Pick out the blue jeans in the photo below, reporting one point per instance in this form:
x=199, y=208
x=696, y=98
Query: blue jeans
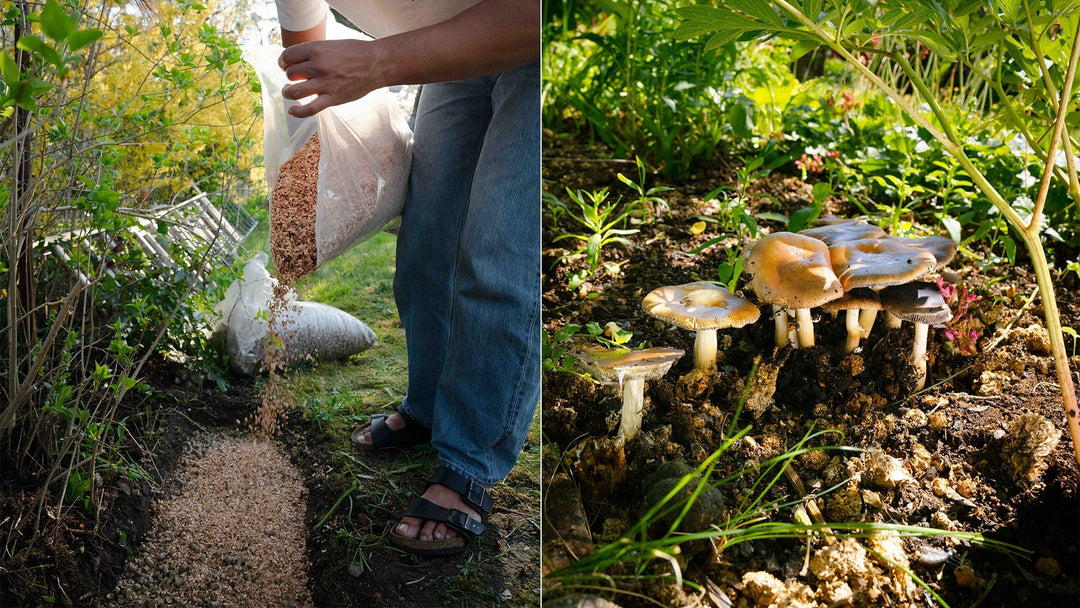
x=467, y=283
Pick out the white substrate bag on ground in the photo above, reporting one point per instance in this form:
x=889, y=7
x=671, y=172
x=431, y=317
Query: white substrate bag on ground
x=364, y=161
x=308, y=329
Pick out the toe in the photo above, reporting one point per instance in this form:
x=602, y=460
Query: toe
x=408, y=527
x=427, y=531
x=444, y=531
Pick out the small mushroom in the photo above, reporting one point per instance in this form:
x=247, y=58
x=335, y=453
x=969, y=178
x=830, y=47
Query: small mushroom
x=853, y=302
x=792, y=271
x=703, y=308
x=922, y=304
x=629, y=369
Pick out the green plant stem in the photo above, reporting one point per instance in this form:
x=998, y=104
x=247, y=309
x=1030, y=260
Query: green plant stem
x=1028, y=230
x=1059, y=128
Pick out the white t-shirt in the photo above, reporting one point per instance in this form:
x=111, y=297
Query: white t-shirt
x=377, y=18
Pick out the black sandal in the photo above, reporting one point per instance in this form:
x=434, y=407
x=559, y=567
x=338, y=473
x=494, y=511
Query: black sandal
x=472, y=493
x=383, y=437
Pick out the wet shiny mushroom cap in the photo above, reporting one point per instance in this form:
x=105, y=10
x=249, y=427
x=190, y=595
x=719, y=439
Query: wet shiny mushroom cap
x=879, y=262
x=837, y=230
x=614, y=366
x=792, y=271
x=699, y=306
x=918, y=302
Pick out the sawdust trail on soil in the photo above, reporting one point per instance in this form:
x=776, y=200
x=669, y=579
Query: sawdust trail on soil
x=231, y=533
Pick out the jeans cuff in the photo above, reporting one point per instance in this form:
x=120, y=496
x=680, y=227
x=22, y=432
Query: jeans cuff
x=466, y=474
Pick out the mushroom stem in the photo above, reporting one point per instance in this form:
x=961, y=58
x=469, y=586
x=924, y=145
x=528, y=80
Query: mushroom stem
x=705, y=349
x=780, y=320
x=804, y=325
x=866, y=320
x=632, y=405
x=854, y=330
x=892, y=321
x=918, y=354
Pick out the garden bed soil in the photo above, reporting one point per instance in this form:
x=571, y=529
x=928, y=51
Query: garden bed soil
x=960, y=442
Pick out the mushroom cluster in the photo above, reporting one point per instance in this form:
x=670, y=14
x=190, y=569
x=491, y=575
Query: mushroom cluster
x=851, y=265
x=837, y=264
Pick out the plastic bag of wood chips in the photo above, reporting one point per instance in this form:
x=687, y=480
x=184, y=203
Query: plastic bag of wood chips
x=309, y=330
x=363, y=152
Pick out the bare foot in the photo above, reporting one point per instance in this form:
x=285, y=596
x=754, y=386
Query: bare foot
x=394, y=421
x=428, y=530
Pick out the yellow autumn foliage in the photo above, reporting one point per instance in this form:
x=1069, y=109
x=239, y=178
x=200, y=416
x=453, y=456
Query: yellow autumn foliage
x=171, y=89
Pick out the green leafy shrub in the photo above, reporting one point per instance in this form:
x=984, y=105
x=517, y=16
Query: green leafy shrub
x=105, y=114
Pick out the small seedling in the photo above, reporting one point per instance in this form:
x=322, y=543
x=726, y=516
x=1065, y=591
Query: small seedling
x=648, y=203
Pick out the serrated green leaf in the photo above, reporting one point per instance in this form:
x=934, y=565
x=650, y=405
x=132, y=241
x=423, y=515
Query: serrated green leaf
x=689, y=30
x=803, y=47
x=813, y=9
x=988, y=39
x=83, y=38
x=722, y=38
x=757, y=9
x=699, y=13
x=1007, y=10
x=936, y=43
x=55, y=21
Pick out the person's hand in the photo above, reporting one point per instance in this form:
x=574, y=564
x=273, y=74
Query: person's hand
x=336, y=71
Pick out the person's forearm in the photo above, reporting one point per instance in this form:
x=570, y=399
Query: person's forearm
x=490, y=37
x=289, y=37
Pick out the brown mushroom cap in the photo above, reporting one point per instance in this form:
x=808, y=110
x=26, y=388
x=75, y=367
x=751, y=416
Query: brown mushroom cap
x=918, y=302
x=613, y=366
x=699, y=305
x=840, y=231
x=879, y=262
x=860, y=298
x=792, y=270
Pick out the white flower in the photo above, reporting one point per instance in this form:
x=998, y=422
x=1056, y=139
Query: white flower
x=972, y=141
x=1023, y=202
x=1023, y=76
x=924, y=108
x=1059, y=159
x=1027, y=180
x=921, y=147
x=670, y=103
x=683, y=85
x=1018, y=145
x=912, y=132
x=816, y=150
